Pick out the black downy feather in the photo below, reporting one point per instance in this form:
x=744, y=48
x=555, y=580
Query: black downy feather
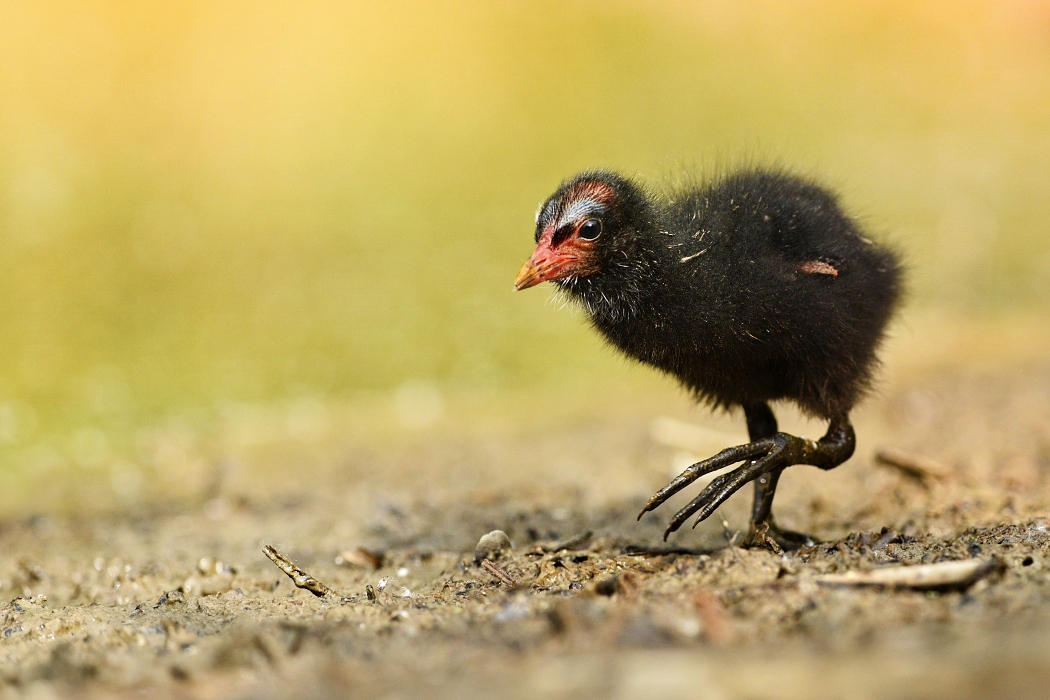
x=756, y=287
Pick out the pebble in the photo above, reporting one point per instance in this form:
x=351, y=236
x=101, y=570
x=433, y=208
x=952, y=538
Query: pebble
x=491, y=546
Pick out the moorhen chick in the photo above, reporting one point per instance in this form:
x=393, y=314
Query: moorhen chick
x=756, y=287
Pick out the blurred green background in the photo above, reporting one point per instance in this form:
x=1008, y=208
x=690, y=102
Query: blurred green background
x=212, y=209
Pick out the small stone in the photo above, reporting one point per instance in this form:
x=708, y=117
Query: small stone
x=491, y=546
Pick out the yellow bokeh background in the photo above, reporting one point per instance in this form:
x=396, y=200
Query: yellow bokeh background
x=211, y=209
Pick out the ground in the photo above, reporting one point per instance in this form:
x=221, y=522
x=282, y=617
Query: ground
x=178, y=600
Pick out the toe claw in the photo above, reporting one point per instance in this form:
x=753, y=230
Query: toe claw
x=723, y=459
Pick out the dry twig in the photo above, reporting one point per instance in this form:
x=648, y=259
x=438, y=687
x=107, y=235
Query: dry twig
x=299, y=577
x=500, y=573
x=948, y=574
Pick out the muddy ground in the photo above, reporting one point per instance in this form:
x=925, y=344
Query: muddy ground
x=178, y=600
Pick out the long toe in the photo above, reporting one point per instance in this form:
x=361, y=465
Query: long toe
x=719, y=490
x=723, y=459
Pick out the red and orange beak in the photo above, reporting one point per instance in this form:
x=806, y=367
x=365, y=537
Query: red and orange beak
x=548, y=263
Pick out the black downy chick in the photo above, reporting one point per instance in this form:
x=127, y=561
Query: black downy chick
x=754, y=288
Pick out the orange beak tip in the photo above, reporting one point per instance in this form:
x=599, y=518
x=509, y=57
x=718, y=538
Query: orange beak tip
x=527, y=277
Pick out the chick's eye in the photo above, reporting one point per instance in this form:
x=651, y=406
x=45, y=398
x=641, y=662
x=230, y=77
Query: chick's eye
x=590, y=229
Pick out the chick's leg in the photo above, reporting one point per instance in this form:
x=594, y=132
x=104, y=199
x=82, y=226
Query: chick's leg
x=764, y=531
x=764, y=457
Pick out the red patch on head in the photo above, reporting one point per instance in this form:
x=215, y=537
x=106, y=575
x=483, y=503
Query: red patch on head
x=817, y=267
x=592, y=189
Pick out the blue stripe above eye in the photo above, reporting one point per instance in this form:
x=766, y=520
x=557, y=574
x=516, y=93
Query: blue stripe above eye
x=580, y=209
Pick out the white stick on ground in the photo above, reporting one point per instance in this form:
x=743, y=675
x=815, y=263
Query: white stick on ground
x=948, y=574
